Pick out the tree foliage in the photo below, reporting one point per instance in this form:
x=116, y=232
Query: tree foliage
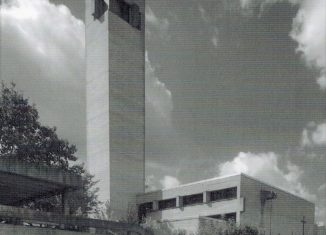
x=23, y=136
x=153, y=227
x=206, y=227
x=225, y=228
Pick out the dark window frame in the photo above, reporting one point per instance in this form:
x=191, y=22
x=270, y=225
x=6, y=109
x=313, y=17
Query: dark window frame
x=193, y=199
x=224, y=194
x=144, y=208
x=130, y=13
x=226, y=217
x=167, y=204
x=100, y=7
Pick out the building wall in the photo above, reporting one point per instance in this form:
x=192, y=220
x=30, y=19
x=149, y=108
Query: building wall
x=97, y=90
x=286, y=213
x=187, y=217
x=320, y=230
x=116, y=107
x=127, y=111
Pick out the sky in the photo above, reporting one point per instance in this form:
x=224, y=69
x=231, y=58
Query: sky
x=231, y=86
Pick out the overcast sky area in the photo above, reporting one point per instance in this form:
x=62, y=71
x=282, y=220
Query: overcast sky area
x=231, y=86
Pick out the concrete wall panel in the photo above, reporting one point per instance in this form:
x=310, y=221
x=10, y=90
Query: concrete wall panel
x=116, y=107
x=284, y=214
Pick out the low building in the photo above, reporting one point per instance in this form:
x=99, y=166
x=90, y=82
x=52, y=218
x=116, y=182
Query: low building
x=239, y=198
x=21, y=182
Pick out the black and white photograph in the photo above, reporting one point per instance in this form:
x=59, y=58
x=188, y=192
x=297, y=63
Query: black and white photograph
x=163, y=117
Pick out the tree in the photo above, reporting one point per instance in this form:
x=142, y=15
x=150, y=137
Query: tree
x=22, y=136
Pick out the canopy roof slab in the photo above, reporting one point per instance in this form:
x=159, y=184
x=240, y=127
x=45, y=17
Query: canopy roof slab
x=21, y=181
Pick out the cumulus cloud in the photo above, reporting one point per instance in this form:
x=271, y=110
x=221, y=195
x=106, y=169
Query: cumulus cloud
x=150, y=184
x=169, y=182
x=314, y=135
x=42, y=51
x=156, y=25
x=158, y=96
x=265, y=166
x=309, y=31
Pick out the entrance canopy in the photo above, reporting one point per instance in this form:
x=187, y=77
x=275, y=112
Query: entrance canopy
x=21, y=181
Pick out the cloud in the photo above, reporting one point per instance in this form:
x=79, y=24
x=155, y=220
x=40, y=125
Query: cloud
x=309, y=31
x=156, y=25
x=169, y=182
x=203, y=14
x=212, y=29
x=42, y=51
x=247, y=4
x=158, y=96
x=314, y=135
x=321, y=204
x=214, y=38
x=150, y=184
x=265, y=166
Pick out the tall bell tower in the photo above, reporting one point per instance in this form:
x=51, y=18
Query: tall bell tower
x=115, y=74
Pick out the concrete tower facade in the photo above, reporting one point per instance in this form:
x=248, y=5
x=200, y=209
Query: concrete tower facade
x=115, y=72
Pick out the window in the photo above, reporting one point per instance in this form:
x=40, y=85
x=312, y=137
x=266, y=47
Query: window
x=192, y=199
x=230, y=217
x=99, y=9
x=144, y=208
x=168, y=203
x=228, y=193
x=128, y=12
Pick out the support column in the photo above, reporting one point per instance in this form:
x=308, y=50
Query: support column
x=238, y=218
x=155, y=205
x=66, y=208
x=179, y=201
x=206, y=197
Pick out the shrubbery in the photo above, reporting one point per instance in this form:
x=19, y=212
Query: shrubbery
x=165, y=228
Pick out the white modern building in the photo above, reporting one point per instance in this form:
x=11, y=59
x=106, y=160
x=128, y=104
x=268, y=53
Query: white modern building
x=241, y=198
x=115, y=76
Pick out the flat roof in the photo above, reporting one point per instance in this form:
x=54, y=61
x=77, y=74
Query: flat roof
x=21, y=181
x=192, y=183
x=225, y=177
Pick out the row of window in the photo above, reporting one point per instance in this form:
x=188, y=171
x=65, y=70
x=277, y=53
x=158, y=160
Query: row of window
x=223, y=194
x=228, y=193
x=128, y=12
